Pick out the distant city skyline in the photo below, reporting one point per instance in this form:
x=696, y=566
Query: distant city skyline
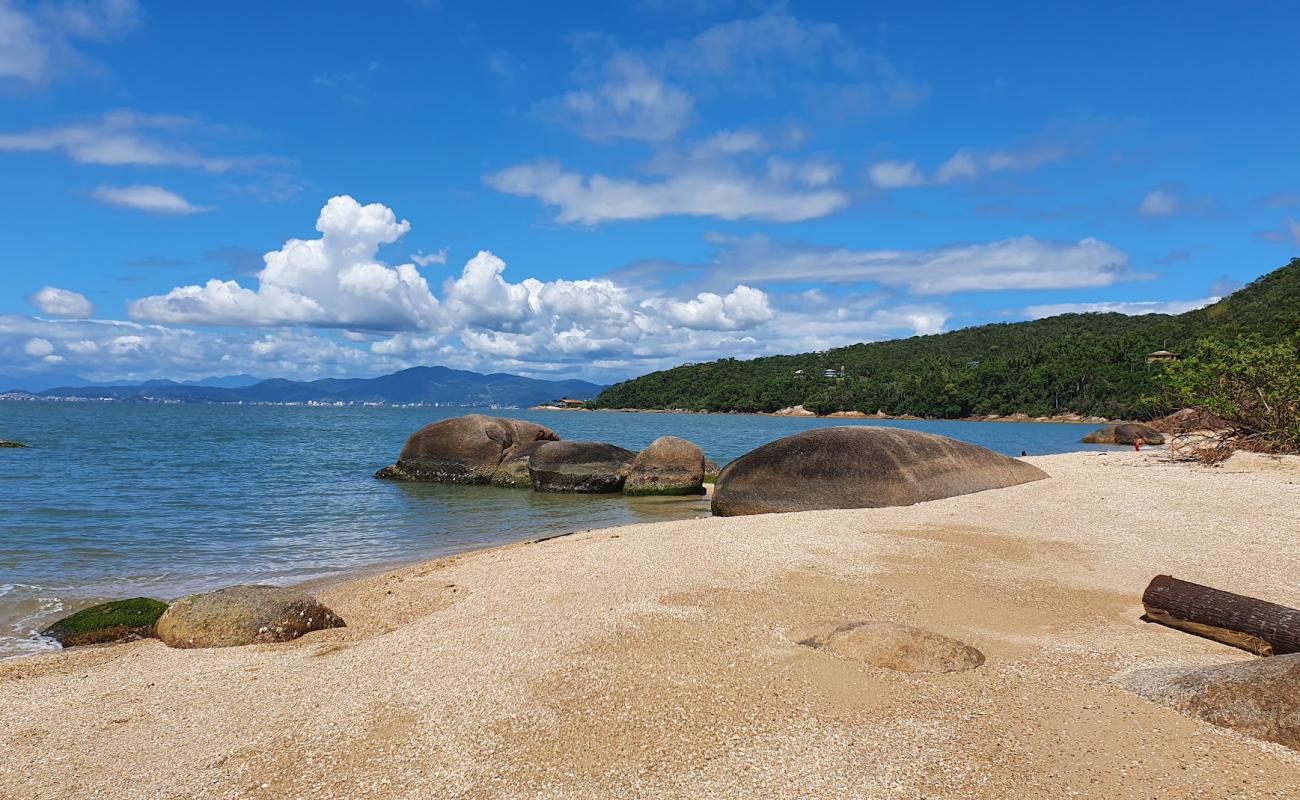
x=304, y=191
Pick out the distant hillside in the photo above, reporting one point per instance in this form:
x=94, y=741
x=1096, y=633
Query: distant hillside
x=418, y=385
x=1091, y=364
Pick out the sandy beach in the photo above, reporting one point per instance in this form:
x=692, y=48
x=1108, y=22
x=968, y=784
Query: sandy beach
x=664, y=660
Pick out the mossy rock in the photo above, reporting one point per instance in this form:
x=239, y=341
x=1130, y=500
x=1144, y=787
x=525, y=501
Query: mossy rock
x=114, y=621
x=7, y=443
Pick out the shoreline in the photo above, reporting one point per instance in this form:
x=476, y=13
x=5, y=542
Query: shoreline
x=1062, y=419
x=664, y=658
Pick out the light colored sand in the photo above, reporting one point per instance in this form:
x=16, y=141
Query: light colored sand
x=662, y=661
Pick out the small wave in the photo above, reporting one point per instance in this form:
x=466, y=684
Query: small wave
x=18, y=646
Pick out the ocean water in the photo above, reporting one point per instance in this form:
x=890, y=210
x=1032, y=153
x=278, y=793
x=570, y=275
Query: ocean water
x=118, y=500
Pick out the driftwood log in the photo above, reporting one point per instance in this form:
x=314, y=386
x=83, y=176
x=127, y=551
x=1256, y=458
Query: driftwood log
x=1261, y=627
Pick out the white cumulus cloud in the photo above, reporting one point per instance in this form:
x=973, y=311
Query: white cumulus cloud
x=56, y=302
x=333, y=281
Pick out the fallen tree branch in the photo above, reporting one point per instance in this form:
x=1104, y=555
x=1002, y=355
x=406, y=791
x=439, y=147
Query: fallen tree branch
x=1256, y=625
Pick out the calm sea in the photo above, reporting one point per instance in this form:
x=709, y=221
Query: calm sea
x=117, y=500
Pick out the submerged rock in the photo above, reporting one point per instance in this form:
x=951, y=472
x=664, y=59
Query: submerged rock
x=588, y=467
x=1127, y=433
x=860, y=467
x=1260, y=697
x=668, y=466
x=241, y=615
x=465, y=449
x=902, y=648
x=7, y=443
x=114, y=621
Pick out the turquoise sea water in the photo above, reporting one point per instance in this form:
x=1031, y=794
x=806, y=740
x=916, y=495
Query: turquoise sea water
x=116, y=500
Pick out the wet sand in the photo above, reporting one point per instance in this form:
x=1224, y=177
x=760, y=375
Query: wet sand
x=663, y=660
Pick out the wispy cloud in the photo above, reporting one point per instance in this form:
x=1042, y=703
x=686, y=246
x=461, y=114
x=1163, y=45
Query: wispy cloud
x=128, y=138
x=1158, y=203
x=426, y=259
x=1132, y=309
x=966, y=164
x=153, y=199
x=41, y=41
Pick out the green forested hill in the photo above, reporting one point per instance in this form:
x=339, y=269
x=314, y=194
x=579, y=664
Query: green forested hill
x=1091, y=364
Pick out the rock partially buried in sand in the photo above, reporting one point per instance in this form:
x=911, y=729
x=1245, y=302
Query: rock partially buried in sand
x=465, y=449
x=1128, y=433
x=586, y=467
x=114, y=621
x=241, y=615
x=902, y=648
x=860, y=467
x=1258, y=698
x=669, y=466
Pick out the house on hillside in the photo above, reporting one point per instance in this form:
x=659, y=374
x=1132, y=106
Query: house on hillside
x=1161, y=357
x=569, y=402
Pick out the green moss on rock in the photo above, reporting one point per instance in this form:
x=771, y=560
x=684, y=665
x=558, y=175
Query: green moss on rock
x=114, y=621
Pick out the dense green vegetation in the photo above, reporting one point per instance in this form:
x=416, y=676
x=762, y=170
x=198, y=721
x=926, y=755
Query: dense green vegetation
x=1250, y=381
x=1090, y=364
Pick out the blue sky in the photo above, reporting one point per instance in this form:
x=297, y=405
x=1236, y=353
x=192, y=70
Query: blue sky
x=305, y=190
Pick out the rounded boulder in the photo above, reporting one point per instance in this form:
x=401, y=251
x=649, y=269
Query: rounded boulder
x=241, y=615
x=578, y=466
x=1129, y=433
x=860, y=467
x=1259, y=698
x=114, y=621
x=669, y=466
x=466, y=449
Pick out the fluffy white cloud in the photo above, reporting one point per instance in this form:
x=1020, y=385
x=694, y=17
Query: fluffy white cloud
x=630, y=102
x=153, y=199
x=333, y=281
x=1133, y=308
x=1018, y=263
x=56, y=302
x=38, y=40
x=743, y=307
x=706, y=190
x=965, y=164
x=38, y=347
x=1158, y=203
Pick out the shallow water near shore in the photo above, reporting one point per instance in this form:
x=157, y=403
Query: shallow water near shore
x=117, y=500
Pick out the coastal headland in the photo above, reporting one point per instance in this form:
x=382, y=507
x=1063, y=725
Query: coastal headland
x=673, y=659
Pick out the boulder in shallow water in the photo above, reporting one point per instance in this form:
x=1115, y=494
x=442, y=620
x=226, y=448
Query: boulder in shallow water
x=860, y=467
x=7, y=443
x=464, y=449
x=513, y=471
x=1129, y=433
x=1259, y=698
x=587, y=467
x=902, y=648
x=241, y=615
x=668, y=466
x=114, y=621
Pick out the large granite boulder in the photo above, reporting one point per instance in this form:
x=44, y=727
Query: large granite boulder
x=513, y=470
x=241, y=615
x=1128, y=433
x=1260, y=697
x=590, y=467
x=463, y=449
x=114, y=621
x=668, y=466
x=1191, y=419
x=860, y=467
x=901, y=648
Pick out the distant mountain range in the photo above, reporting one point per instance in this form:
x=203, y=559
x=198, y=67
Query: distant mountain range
x=418, y=385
